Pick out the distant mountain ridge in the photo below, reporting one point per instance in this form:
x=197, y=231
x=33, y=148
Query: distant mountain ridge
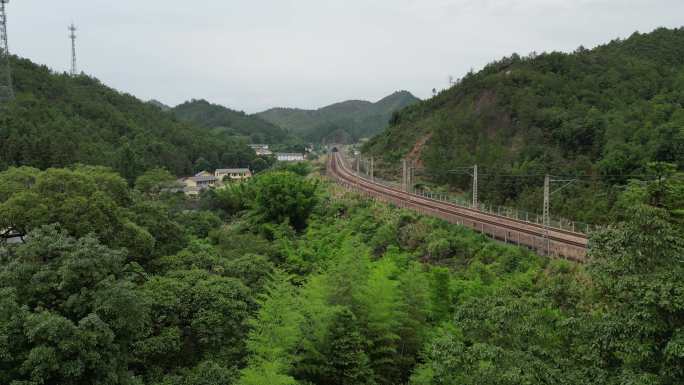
x=159, y=104
x=220, y=118
x=345, y=121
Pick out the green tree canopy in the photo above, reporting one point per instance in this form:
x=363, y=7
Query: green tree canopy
x=70, y=312
x=284, y=197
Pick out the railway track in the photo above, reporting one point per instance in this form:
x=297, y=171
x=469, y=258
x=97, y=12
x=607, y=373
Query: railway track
x=547, y=241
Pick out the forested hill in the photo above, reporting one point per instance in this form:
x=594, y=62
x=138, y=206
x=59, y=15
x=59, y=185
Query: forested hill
x=604, y=114
x=58, y=120
x=341, y=122
x=159, y=104
x=222, y=119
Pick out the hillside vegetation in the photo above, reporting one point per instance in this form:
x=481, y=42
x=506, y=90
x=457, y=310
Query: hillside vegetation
x=109, y=278
x=344, y=122
x=58, y=120
x=604, y=114
x=279, y=281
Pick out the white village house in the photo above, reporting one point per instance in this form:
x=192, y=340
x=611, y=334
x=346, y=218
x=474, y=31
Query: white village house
x=233, y=173
x=194, y=185
x=289, y=157
x=261, y=149
x=263, y=152
x=255, y=146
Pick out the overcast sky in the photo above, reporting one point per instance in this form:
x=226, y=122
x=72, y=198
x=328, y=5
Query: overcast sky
x=255, y=54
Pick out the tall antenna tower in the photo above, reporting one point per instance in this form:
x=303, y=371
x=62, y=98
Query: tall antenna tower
x=72, y=36
x=6, y=90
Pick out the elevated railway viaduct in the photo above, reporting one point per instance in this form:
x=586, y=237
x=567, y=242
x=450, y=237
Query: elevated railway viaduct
x=543, y=240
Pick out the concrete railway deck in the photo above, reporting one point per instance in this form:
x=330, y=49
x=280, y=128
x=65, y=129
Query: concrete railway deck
x=543, y=240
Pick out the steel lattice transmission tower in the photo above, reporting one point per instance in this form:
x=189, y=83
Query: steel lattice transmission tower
x=72, y=36
x=6, y=90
